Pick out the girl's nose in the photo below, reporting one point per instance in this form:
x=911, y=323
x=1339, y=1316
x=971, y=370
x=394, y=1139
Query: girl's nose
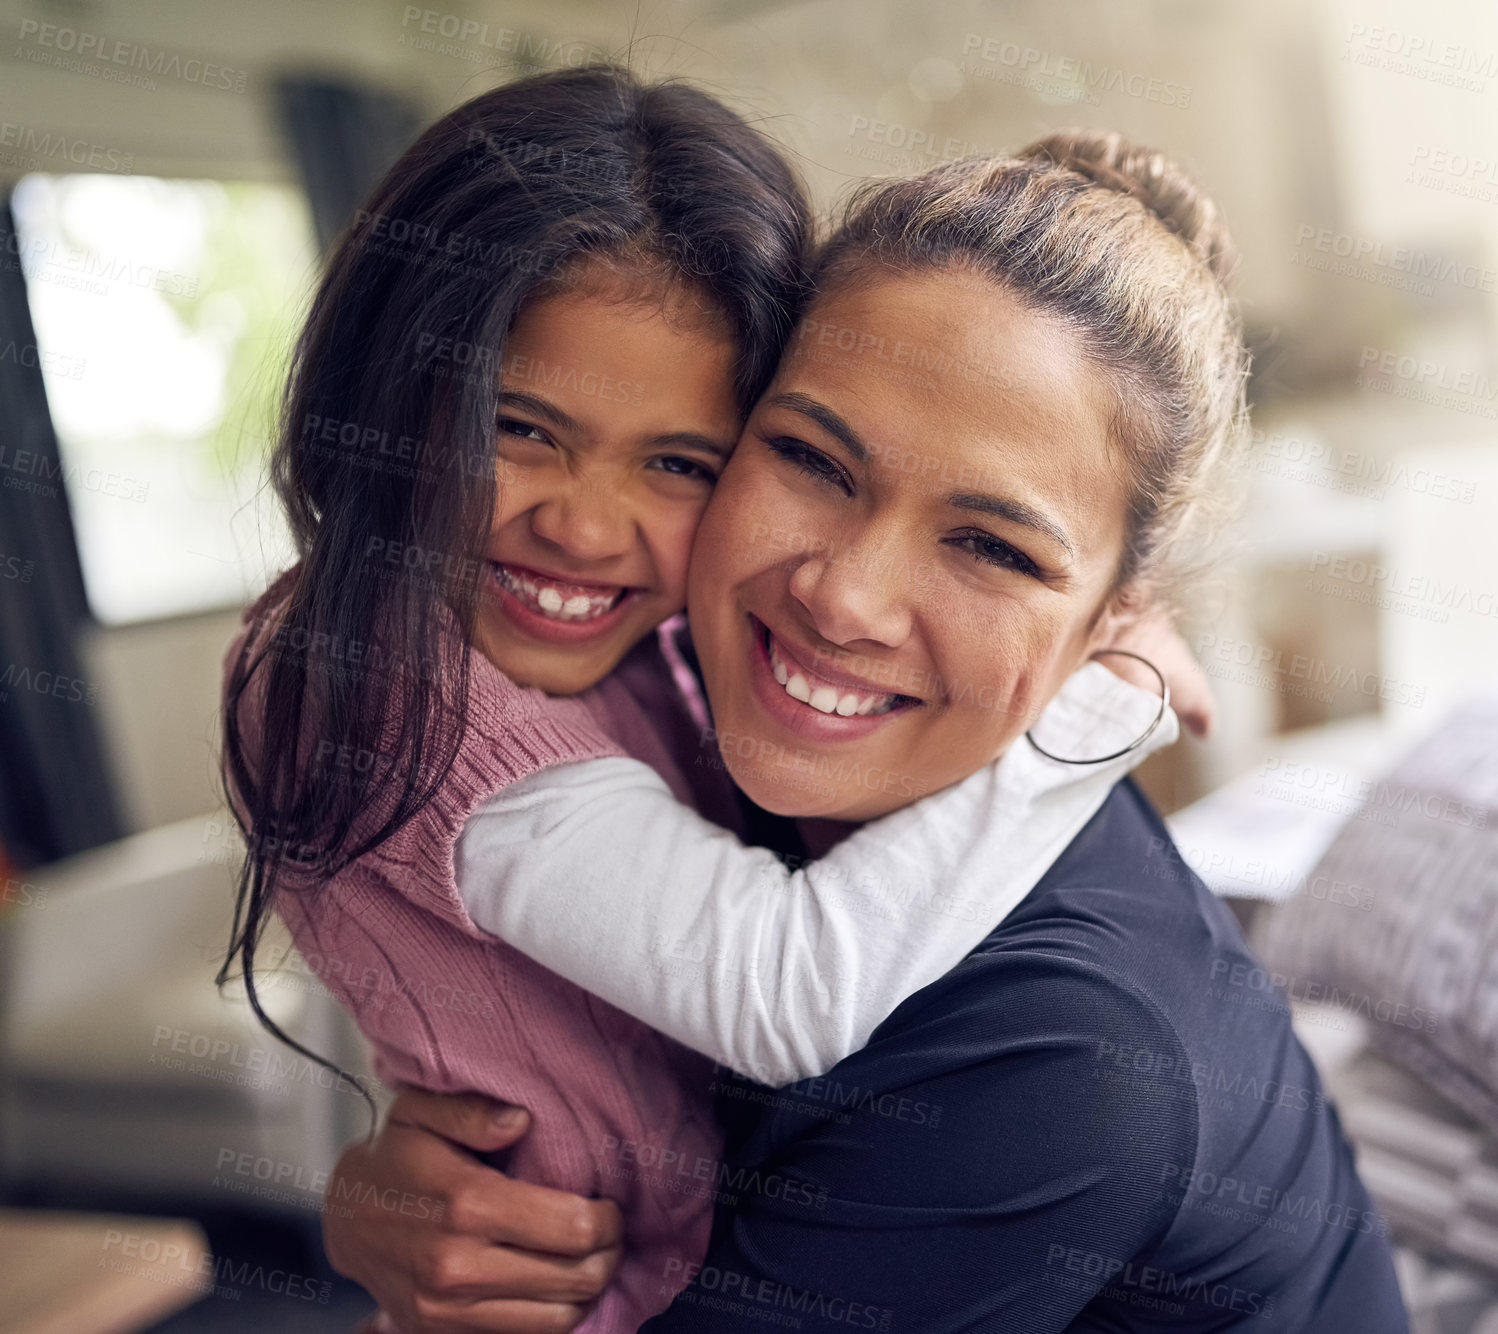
x=586, y=521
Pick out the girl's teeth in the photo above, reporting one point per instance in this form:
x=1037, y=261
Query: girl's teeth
x=550, y=601
x=797, y=688
x=847, y=706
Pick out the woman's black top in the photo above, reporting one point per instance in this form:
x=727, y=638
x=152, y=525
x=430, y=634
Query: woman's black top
x=1099, y=1120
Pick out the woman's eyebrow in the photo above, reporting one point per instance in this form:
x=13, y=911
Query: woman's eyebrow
x=827, y=419
x=1016, y=511
x=513, y=398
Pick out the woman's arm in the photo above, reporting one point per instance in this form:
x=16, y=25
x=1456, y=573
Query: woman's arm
x=445, y=1243
x=597, y=872
x=986, y=1166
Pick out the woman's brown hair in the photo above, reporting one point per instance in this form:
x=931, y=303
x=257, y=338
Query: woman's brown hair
x=1120, y=244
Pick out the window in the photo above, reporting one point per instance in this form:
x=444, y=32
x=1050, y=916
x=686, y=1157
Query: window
x=165, y=313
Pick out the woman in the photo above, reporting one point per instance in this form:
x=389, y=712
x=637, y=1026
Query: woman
x=996, y=433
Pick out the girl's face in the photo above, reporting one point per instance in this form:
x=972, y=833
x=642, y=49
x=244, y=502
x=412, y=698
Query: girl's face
x=911, y=549
x=616, y=418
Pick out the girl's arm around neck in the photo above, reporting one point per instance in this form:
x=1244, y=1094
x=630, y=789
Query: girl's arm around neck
x=594, y=870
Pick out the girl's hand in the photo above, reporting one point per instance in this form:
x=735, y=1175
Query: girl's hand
x=1155, y=637
x=445, y=1243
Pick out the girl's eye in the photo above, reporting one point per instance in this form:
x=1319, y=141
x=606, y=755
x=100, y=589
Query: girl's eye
x=678, y=466
x=522, y=430
x=995, y=551
x=811, y=461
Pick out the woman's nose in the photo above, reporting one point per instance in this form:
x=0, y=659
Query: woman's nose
x=854, y=592
x=586, y=520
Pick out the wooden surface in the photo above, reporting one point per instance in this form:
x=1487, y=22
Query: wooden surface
x=75, y=1273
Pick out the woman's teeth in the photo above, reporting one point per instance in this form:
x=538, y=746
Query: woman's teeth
x=556, y=601
x=825, y=699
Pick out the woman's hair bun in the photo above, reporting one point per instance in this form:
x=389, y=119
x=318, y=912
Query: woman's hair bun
x=1110, y=160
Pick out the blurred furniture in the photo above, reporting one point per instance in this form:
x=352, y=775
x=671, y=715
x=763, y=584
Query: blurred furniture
x=125, y=1073
x=96, y=1273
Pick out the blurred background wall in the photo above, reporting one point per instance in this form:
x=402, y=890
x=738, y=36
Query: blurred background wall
x=1350, y=144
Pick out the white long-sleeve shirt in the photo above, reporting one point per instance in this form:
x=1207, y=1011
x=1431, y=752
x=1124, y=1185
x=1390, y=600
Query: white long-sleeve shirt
x=597, y=872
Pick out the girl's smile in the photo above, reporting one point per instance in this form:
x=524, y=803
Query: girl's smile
x=552, y=607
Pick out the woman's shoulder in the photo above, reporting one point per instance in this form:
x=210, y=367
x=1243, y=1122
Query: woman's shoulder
x=1122, y=899
x=1104, y=973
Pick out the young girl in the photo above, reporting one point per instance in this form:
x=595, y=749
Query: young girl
x=574, y=286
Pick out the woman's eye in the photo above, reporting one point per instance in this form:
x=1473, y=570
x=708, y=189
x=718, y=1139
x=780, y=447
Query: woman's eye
x=522, y=430
x=994, y=551
x=811, y=461
x=678, y=466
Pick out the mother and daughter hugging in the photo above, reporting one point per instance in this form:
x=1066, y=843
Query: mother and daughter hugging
x=819, y=962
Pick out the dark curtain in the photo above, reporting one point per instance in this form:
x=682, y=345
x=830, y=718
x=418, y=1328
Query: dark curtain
x=343, y=138
x=55, y=790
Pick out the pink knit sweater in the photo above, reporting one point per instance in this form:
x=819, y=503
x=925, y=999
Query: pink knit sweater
x=449, y=1008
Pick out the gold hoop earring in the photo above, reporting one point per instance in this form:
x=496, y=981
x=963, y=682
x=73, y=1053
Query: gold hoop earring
x=1148, y=731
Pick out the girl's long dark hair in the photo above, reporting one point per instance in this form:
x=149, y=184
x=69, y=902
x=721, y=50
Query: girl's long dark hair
x=345, y=707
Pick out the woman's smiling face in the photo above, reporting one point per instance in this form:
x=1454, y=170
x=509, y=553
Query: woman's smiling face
x=913, y=546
